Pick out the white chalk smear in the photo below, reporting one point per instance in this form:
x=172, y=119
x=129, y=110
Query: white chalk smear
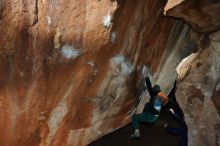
x=107, y=21
x=70, y=52
x=126, y=66
x=48, y=20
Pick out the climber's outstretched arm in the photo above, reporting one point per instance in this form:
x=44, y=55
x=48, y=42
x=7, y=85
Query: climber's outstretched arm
x=149, y=87
x=173, y=91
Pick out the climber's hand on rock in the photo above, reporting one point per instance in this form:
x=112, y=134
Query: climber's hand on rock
x=171, y=110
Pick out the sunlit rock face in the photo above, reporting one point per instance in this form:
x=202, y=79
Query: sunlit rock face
x=68, y=68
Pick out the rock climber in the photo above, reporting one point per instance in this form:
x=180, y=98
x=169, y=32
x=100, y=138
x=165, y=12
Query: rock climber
x=171, y=98
x=182, y=130
x=151, y=110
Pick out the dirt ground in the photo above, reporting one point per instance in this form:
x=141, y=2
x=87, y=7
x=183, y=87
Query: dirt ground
x=151, y=135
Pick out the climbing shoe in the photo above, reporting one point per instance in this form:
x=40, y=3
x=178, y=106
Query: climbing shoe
x=135, y=136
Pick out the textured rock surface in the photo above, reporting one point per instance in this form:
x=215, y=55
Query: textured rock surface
x=199, y=74
x=68, y=67
x=202, y=15
x=198, y=95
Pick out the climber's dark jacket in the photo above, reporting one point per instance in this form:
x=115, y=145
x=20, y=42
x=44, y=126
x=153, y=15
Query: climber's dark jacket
x=151, y=110
x=149, y=107
x=182, y=131
x=172, y=97
x=155, y=95
x=150, y=89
